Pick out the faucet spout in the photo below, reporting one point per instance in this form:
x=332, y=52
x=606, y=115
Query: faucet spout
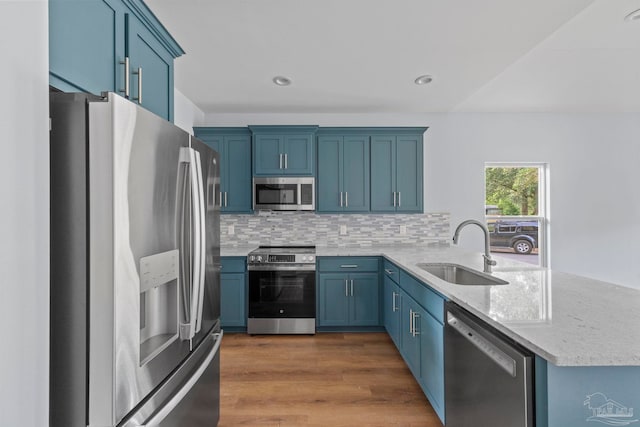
x=488, y=261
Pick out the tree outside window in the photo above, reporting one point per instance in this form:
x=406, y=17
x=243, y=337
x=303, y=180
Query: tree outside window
x=515, y=211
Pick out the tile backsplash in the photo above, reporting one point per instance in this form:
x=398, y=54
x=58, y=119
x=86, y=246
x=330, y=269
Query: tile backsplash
x=307, y=228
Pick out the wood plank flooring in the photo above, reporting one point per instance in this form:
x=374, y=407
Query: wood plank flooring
x=335, y=380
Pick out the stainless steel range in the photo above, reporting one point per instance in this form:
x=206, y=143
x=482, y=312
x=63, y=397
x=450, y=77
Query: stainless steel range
x=282, y=290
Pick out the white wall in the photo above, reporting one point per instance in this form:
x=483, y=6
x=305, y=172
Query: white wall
x=24, y=215
x=594, y=177
x=185, y=113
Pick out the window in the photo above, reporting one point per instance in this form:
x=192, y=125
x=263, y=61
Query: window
x=516, y=211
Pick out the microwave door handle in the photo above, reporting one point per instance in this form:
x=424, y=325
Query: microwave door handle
x=175, y=400
x=202, y=240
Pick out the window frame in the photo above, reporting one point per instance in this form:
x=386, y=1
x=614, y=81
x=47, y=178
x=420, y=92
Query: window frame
x=543, y=218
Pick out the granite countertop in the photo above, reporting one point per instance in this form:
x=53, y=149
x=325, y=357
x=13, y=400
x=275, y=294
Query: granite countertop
x=237, y=250
x=568, y=320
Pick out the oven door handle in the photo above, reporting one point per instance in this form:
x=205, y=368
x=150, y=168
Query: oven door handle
x=295, y=267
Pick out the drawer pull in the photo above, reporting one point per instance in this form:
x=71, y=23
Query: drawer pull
x=349, y=266
x=389, y=271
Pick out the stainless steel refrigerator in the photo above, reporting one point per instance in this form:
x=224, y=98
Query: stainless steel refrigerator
x=135, y=268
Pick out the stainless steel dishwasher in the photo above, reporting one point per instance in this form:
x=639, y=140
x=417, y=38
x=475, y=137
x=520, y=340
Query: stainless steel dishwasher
x=488, y=378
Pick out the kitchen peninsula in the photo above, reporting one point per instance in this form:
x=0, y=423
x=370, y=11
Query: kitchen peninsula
x=584, y=332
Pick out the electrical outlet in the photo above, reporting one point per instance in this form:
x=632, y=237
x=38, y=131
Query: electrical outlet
x=231, y=230
x=403, y=230
x=343, y=230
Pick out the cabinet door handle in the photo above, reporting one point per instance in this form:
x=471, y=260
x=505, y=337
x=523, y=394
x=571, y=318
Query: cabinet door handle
x=286, y=161
x=393, y=302
x=346, y=199
x=221, y=199
x=346, y=288
x=411, y=322
x=126, y=77
x=351, y=287
x=399, y=199
x=225, y=199
x=139, y=73
x=394, y=199
x=414, y=316
x=280, y=164
x=341, y=199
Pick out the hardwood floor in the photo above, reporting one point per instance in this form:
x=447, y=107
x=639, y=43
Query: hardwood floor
x=326, y=380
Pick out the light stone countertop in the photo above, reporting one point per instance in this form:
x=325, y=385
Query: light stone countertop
x=237, y=250
x=566, y=319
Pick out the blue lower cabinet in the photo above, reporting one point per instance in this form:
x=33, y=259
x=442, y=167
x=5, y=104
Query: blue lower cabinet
x=233, y=293
x=432, y=361
x=409, y=332
x=582, y=396
x=364, y=307
x=333, y=301
x=392, y=301
x=348, y=299
x=233, y=300
x=413, y=315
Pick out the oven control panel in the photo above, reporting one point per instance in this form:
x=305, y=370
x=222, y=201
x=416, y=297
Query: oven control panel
x=281, y=258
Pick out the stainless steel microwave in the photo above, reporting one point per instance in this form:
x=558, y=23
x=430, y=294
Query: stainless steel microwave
x=284, y=193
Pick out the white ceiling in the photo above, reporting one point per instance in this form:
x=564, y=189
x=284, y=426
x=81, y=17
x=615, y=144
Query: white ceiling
x=359, y=56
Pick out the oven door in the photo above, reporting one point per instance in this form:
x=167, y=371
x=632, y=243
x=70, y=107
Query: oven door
x=282, y=294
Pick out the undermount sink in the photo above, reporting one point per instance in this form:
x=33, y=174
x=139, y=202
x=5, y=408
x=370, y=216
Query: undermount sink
x=460, y=275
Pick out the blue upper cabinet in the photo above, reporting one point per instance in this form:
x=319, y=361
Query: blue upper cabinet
x=99, y=45
x=383, y=178
x=409, y=174
x=283, y=150
x=343, y=173
x=396, y=171
x=234, y=146
x=151, y=70
x=86, y=44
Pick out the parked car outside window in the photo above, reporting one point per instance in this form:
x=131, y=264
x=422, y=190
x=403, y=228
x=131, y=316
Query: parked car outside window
x=522, y=236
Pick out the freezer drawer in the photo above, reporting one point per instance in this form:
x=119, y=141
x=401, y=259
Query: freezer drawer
x=190, y=396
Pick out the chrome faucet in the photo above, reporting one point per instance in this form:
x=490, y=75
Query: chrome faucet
x=488, y=261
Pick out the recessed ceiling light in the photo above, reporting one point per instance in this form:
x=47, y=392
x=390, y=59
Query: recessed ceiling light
x=423, y=80
x=282, y=81
x=633, y=16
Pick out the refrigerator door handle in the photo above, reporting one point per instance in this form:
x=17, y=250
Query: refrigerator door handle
x=159, y=416
x=187, y=329
x=203, y=245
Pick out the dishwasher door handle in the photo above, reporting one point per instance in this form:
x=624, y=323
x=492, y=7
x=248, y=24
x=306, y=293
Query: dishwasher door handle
x=492, y=351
